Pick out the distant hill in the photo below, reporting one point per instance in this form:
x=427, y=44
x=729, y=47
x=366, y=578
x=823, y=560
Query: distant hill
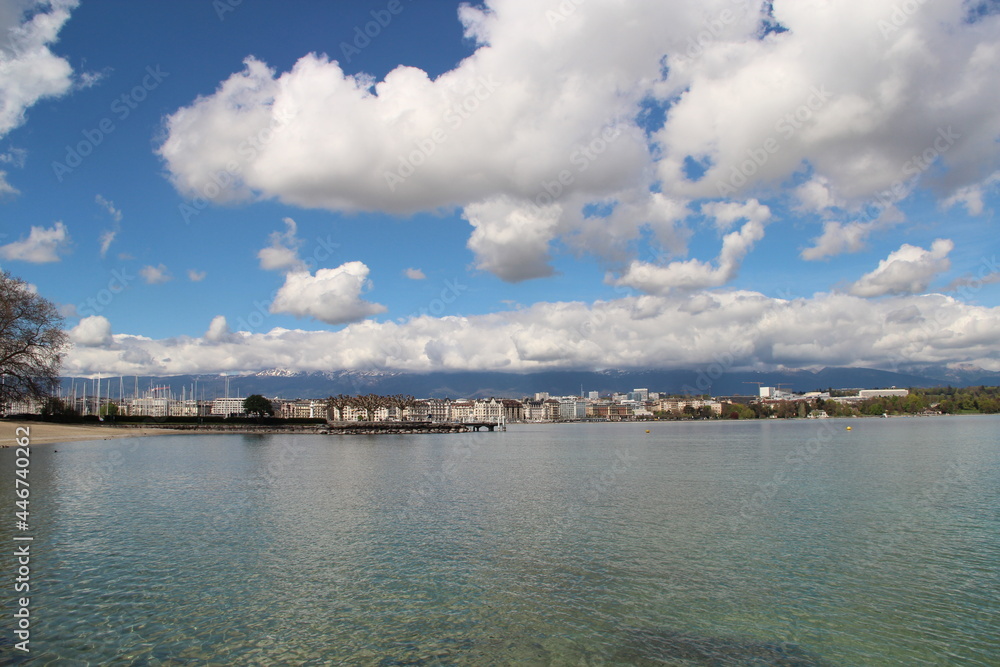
x=471, y=384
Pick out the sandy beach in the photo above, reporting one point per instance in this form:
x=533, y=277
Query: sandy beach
x=46, y=434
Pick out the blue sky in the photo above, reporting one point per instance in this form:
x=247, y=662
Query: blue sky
x=231, y=187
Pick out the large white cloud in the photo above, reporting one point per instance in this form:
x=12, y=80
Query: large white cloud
x=864, y=93
x=331, y=295
x=908, y=270
x=29, y=71
x=744, y=329
x=536, y=116
x=557, y=109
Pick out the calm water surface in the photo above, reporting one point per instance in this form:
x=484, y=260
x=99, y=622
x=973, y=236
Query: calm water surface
x=736, y=543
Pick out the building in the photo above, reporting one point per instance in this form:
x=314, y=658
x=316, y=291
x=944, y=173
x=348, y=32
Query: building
x=679, y=405
x=610, y=411
x=189, y=408
x=488, y=410
x=513, y=411
x=534, y=411
x=572, y=409
x=882, y=393
x=304, y=409
x=462, y=411
x=227, y=406
x=151, y=406
x=433, y=409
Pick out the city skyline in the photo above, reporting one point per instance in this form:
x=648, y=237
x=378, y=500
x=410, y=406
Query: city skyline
x=508, y=186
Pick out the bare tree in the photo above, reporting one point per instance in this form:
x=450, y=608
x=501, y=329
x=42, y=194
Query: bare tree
x=370, y=403
x=31, y=342
x=338, y=403
x=401, y=402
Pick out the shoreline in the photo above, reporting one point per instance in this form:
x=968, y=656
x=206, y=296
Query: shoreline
x=48, y=433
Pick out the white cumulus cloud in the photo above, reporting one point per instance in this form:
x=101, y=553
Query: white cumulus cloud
x=283, y=253
x=538, y=118
x=92, y=331
x=908, y=270
x=694, y=274
x=43, y=245
x=29, y=71
x=331, y=295
x=218, y=330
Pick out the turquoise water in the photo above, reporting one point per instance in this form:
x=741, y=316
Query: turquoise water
x=723, y=543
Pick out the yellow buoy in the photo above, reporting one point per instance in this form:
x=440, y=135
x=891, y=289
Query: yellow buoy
x=848, y=428
x=647, y=430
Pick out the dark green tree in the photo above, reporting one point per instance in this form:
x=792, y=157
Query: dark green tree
x=255, y=404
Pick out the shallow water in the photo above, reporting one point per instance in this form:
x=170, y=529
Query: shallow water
x=723, y=543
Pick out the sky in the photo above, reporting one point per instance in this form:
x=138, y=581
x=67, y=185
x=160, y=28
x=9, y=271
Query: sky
x=231, y=186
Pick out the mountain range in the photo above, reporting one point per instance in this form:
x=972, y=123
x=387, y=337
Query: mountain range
x=476, y=384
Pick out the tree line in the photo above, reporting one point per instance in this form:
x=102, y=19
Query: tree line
x=944, y=400
x=369, y=404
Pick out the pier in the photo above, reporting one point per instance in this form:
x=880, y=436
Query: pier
x=384, y=427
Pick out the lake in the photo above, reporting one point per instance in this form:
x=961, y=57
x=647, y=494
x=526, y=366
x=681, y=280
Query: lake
x=699, y=543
